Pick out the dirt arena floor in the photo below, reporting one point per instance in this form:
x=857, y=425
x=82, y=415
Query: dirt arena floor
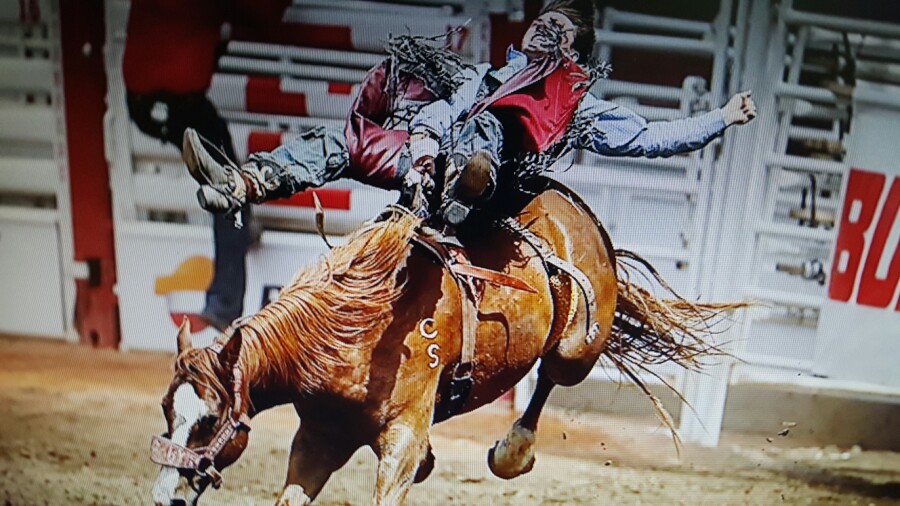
x=76, y=426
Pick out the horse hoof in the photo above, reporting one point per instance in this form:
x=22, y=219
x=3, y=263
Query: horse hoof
x=425, y=468
x=293, y=495
x=514, y=456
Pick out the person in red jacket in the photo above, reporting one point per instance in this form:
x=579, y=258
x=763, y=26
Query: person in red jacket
x=171, y=50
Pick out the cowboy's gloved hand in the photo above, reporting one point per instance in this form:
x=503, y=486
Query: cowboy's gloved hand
x=418, y=176
x=739, y=110
x=423, y=148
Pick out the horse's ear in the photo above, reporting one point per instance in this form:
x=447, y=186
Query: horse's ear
x=231, y=350
x=184, y=336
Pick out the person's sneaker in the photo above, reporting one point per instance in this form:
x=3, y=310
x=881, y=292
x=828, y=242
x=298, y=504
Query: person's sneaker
x=215, y=321
x=201, y=164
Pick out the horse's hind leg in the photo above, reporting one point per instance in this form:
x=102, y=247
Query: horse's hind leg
x=514, y=455
x=314, y=457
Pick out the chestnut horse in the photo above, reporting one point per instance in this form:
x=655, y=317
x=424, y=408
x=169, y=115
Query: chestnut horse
x=363, y=344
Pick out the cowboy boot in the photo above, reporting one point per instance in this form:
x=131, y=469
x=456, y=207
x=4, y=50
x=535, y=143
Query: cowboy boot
x=468, y=183
x=225, y=189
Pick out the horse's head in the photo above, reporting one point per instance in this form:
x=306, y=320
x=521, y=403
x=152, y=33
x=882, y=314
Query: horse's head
x=205, y=410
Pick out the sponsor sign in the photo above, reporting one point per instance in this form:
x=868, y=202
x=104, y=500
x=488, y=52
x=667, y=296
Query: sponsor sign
x=859, y=327
x=165, y=269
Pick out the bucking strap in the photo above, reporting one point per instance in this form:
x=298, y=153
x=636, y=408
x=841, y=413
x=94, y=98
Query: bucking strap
x=434, y=242
x=457, y=393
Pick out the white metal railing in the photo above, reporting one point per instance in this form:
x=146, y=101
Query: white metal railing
x=33, y=165
x=438, y=7
x=793, y=17
x=26, y=75
x=289, y=69
x=35, y=123
x=308, y=55
x=780, y=50
x=369, y=29
x=28, y=176
x=647, y=21
x=613, y=88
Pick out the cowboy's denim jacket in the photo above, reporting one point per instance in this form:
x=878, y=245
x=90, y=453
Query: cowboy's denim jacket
x=611, y=129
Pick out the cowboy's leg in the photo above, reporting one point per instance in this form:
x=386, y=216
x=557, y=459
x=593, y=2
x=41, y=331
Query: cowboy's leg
x=473, y=151
x=317, y=157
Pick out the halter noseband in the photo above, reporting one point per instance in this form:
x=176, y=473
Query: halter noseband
x=165, y=452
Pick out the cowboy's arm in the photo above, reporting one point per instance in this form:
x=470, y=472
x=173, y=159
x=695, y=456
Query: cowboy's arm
x=616, y=131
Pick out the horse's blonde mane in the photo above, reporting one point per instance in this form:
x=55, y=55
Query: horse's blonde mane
x=330, y=307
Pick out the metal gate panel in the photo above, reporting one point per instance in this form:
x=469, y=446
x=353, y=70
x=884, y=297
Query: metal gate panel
x=34, y=214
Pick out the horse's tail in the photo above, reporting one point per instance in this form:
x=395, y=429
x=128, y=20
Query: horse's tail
x=649, y=330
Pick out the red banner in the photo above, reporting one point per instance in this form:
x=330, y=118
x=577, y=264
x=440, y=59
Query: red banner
x=858, y=274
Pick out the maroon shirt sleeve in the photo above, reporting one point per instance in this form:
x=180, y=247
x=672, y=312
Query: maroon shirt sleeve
x=374, y=150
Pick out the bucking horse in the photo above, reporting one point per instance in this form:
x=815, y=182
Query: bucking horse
x=367, y=345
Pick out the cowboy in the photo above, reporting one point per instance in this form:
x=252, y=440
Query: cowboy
x=524, y=115
x=528, y=114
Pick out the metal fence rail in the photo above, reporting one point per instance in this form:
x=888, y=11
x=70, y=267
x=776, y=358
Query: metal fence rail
x=34, y=194
x=781, y=232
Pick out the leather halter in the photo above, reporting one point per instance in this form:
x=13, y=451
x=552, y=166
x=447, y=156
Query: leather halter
x=165, y=452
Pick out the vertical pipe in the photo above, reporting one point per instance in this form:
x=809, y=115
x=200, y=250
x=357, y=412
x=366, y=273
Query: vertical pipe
x=706, y=197
x=704, y=394
x=741, y=188
x=63, y=195
x=604, y=53
x=785, y=116
x=84, y=83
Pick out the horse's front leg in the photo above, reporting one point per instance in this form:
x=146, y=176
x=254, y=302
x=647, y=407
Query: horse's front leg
x=514, y=455
x=315, y=455
x=402, y=447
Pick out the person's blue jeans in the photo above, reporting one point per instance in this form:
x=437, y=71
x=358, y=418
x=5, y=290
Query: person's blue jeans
x=225, y=295
x=316, y=157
